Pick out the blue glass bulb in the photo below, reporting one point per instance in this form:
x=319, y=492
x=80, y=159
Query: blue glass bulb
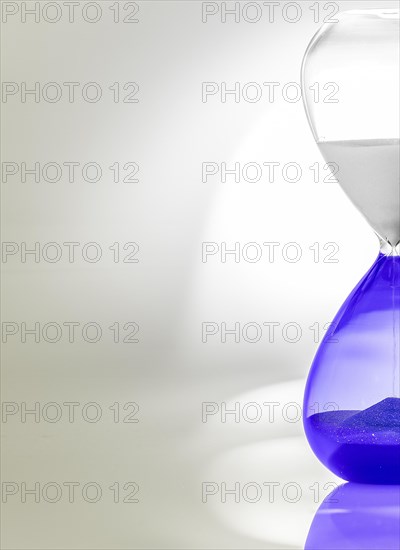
x=352, y=397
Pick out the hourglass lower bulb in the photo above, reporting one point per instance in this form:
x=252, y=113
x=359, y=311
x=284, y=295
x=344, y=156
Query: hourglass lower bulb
x=352, y=396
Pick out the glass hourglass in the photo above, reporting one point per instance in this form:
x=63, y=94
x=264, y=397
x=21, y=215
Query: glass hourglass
x=352, y=395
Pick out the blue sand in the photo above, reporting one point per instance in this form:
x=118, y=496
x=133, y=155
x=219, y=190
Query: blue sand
x=364, y=446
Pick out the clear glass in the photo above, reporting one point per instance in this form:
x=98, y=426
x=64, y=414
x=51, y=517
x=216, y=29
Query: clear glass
x=352, y=397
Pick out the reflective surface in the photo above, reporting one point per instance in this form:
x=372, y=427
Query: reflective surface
x=357, y=517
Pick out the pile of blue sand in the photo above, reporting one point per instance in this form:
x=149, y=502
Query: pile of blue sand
x=364, y=446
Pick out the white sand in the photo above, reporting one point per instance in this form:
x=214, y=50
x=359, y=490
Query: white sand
x=369, y=174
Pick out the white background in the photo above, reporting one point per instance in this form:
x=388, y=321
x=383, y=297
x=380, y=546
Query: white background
x=170, y=212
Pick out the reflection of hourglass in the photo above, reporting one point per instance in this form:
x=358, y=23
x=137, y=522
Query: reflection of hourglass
x=352, y=397
x=357, y=517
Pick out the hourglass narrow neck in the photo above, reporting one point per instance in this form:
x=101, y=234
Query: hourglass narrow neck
x=387, y=249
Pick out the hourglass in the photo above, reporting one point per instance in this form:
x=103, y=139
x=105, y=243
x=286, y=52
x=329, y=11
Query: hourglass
x=352, y=396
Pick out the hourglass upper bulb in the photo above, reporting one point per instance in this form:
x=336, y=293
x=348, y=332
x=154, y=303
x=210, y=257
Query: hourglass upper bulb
x=356, y=124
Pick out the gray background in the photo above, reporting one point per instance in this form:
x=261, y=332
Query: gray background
x=170, y=292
